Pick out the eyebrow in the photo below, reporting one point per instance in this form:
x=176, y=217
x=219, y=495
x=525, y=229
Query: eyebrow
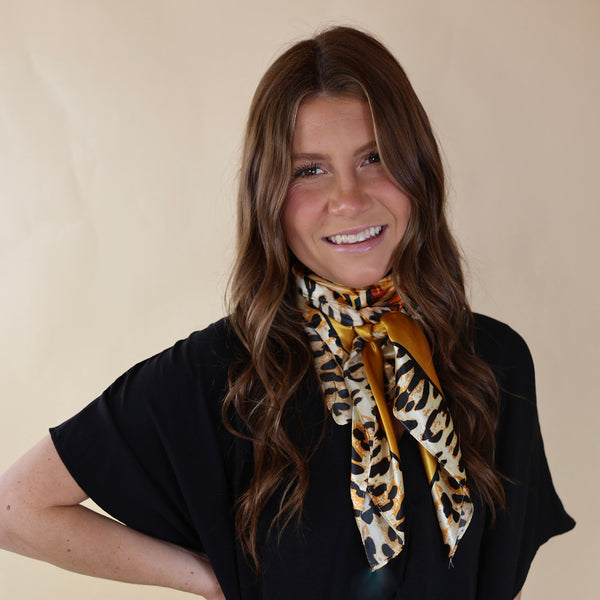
x=316, y=156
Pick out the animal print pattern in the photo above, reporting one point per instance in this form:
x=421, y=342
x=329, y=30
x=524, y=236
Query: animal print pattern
x=376, y=483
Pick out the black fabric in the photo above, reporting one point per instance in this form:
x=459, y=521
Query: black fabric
x=152, y=452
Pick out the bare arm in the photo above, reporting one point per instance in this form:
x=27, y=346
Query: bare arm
x=518, y=596
x=41, y=517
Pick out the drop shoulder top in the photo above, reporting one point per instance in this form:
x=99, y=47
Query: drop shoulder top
x=152, y=452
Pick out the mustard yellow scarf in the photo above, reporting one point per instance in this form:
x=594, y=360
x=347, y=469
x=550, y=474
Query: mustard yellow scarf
x=370, y=357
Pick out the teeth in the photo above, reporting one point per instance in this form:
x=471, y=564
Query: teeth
x=354, y=238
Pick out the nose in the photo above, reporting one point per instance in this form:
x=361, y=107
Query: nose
x=348, y=196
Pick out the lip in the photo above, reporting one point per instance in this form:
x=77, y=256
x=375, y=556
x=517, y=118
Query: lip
x=357, y=247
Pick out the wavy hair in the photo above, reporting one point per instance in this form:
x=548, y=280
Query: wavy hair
x=426, y=267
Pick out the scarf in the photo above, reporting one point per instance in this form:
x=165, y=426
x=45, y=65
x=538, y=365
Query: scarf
x=369, y=356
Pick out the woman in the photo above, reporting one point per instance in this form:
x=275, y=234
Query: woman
x=351, y=430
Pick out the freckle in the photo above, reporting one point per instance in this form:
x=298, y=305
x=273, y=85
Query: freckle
x=68, y=549
x=191, y=572
x=8, y=507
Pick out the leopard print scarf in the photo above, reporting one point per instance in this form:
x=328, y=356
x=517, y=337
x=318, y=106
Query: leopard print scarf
x=368, y=355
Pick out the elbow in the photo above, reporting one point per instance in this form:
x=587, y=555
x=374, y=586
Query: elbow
x=6, y=520
x=9, y=515
x=16, y=514
x=30, y=492
x=21, y=524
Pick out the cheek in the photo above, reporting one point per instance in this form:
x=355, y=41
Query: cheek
x=288, y=212
x=292, y=221
x=405, y=211
x=399, y=204
x=299, y=216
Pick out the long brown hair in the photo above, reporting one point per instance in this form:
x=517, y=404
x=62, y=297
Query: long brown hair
x=426, y=268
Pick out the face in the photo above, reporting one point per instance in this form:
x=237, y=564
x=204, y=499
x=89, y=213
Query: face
x=343, y=217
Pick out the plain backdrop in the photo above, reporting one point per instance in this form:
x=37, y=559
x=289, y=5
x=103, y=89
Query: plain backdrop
x=120, y=133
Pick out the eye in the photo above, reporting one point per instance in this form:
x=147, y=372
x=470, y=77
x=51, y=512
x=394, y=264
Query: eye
x=372, y=158
x=309, y=170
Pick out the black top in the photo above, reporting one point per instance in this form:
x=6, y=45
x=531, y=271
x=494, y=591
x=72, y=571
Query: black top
x=152, y=452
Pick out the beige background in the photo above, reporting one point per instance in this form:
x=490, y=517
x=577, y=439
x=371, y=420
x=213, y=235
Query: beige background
x=120, y=128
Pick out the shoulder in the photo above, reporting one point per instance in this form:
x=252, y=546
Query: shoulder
x=206, y=349
x=499, y=345
x=507, y=354
x=216, y=338
x=214, y=345
x=192, y=368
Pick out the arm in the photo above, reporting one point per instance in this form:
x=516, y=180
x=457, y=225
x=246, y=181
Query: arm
x=518, y=596
x=41, y=517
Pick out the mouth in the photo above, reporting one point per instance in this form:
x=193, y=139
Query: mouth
x=356, y=237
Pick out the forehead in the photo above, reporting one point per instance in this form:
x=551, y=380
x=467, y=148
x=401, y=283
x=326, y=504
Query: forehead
x=327, y=119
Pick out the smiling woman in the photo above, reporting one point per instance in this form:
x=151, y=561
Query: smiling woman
x=343, y=216
x=351, y=429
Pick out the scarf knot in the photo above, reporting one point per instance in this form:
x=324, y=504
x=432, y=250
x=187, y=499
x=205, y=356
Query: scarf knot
x=375, y=370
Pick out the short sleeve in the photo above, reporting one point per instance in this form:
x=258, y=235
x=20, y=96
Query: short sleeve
x=150, y=449
x=534, y=513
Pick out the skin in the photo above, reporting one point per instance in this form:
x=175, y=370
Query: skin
x=339, y=187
